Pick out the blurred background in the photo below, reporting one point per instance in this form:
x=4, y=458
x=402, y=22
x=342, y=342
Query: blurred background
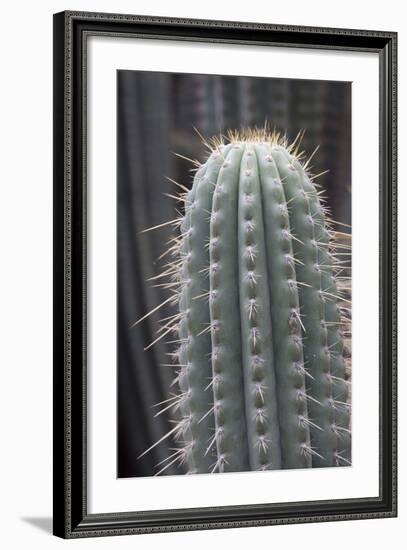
x=156, y=115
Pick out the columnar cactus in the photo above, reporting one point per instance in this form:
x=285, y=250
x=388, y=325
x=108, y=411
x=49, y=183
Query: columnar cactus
x=260, y=360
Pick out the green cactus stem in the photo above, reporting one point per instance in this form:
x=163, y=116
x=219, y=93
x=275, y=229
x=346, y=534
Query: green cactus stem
x=260, y=361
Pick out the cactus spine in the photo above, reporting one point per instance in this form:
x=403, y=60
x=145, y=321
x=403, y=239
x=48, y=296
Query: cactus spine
x=260, y=358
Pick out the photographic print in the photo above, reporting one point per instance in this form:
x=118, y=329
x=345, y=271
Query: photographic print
x=234, y=273
x=221, y=358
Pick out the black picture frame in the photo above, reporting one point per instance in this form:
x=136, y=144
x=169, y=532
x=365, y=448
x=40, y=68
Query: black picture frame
x=71, y=518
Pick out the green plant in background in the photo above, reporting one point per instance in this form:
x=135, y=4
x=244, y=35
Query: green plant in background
x=255, y=274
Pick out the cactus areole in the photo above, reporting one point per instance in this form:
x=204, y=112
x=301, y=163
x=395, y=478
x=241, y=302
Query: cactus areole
x=261, y=372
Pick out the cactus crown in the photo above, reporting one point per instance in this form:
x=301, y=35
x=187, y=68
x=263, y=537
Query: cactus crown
x=257, y=275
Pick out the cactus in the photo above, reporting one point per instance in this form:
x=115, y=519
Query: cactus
x=261, y=372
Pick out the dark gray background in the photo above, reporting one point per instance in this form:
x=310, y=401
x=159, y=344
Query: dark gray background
x=156, y=116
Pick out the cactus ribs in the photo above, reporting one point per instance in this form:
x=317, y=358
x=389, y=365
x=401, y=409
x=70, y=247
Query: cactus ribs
x=261, y=281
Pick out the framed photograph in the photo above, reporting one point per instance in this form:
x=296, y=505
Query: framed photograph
x=224, y=274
